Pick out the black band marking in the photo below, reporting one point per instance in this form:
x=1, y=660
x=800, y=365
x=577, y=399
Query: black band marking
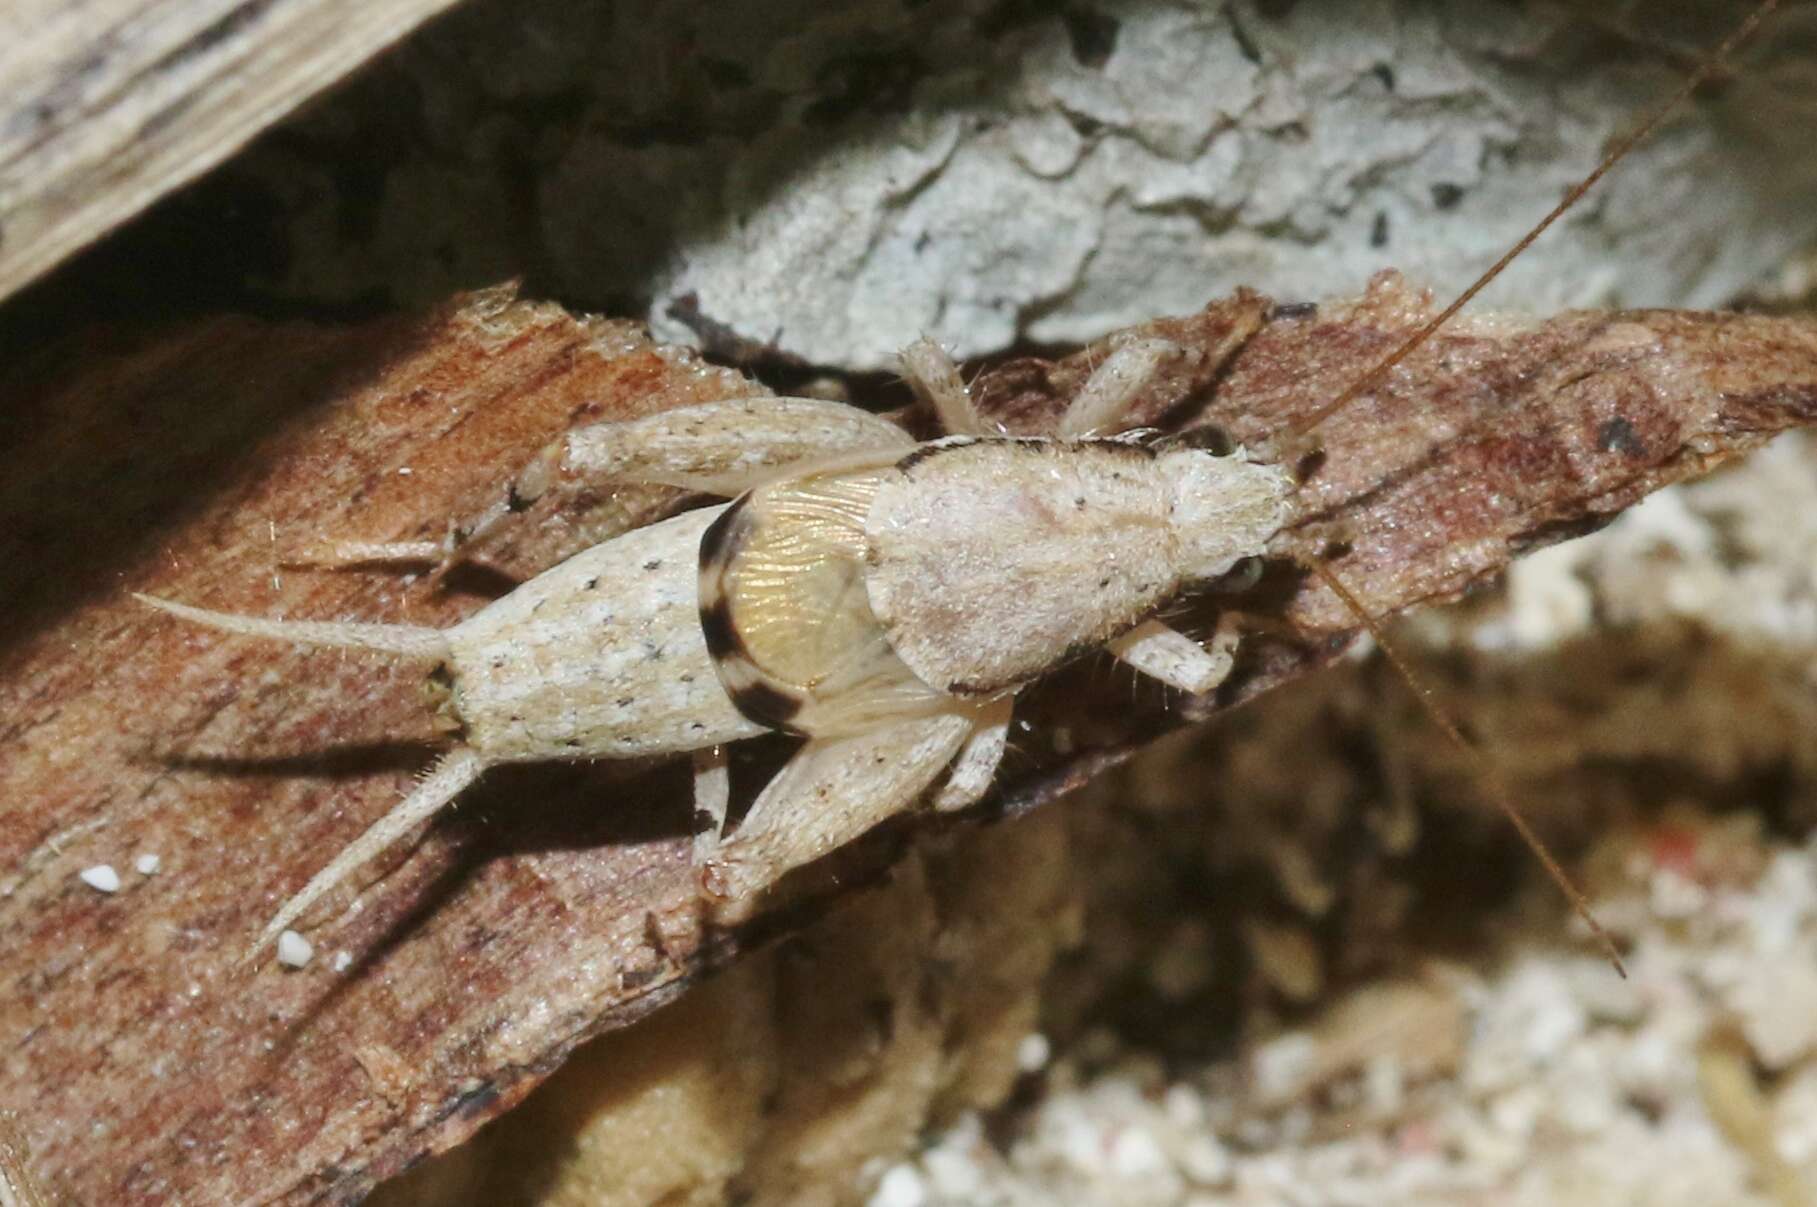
x=723, y=642
x=765, y=704
x=716, y=541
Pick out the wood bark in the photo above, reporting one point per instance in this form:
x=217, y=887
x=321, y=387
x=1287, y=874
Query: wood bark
x=558, y=902
x=105, y=107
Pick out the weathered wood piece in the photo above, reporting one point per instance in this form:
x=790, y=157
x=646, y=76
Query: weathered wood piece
x=105, y=107
x=559, y=902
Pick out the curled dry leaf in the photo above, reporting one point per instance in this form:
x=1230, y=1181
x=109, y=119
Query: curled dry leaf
x=559, y=901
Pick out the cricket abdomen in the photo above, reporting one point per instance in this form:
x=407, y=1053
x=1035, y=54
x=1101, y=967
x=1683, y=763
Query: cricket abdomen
x=600, y=657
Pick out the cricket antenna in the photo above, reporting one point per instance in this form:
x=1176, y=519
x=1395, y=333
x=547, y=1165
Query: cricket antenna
x=1627, y=143
x=1374, y=376
x=1486, y=768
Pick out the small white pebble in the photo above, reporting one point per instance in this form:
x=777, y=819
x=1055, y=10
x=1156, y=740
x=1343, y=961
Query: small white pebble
x=147, y=864
x=900, y=1187
x=951, y=1168
x=102, y=876
x=294, y=950
x=1674, y=895
x=1281, y=1068
x=1033, y=1052
x=1205, y=1161
x=343, y=960
x=1076, y=1137
x=1384, y=1085
x=405, y=470
x=1134, y=1153
x=1183, y=1107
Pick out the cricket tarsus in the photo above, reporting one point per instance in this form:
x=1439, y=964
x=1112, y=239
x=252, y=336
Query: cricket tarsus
x=1485, y=766
x=1628, y=142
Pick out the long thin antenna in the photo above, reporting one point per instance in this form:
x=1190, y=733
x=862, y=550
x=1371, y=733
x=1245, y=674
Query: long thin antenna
x=1627, y=143
x=1486, y=767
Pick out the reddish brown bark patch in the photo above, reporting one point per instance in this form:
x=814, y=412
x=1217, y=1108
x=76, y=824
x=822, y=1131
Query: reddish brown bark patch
x=558, y=902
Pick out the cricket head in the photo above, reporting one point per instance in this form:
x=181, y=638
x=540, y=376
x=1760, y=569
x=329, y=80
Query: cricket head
x=1224, y=508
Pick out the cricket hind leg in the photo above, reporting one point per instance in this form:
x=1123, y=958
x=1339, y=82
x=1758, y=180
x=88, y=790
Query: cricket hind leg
x=718, y=448
x=721, y=448
x=832, y=791
x=447, y=779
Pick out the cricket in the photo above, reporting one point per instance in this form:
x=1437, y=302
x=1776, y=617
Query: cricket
x=882, y=598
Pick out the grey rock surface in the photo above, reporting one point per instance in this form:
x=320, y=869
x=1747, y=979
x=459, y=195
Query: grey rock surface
x=835, y=180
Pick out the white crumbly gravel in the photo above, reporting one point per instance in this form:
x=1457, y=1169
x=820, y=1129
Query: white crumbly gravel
x=294, y=950
x=1554, y=1082
x=101, y=877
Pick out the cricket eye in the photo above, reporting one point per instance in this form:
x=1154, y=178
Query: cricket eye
x=1210, y=438
x=1239, y=578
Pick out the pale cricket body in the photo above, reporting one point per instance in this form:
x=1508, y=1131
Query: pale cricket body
x=883, y=598
x=847, y=596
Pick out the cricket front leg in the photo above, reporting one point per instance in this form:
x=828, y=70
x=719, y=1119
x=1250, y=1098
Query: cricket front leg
x=934, y=377
x=719, y=448
x=1176, y=659
x=1104, y=401
x=1100, y=405
x=977, y=763
x=832, y=791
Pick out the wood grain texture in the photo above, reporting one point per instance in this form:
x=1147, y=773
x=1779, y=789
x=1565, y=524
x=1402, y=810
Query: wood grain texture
x=107, y=105
x=558, y=902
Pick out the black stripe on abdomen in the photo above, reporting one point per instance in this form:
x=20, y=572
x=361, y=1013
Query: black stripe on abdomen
x=752, y=692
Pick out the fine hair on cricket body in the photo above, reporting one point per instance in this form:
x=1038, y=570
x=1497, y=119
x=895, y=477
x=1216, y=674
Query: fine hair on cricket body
x=881, y=597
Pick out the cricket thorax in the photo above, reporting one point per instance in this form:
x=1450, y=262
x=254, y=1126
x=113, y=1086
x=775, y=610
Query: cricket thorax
x=1085, y=537
x=831, y=599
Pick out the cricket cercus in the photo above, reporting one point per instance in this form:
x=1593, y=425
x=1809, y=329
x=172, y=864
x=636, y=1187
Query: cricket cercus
x=884, y=598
